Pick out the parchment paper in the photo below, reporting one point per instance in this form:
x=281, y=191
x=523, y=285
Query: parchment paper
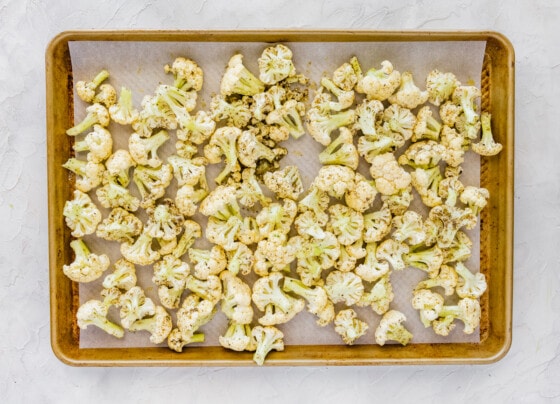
x=139, y=66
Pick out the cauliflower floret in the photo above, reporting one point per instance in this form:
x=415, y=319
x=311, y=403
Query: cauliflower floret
x=224, y=232
x=278, y=306
x=249, y=191
x=345, y=76
x=188, y=75
x=250, y=150
x=277, y=216
x=118, y=166
x=196, y=128
x=86, y=89
x=144, y=150
x=140, y=252
x=286, y=113
x=107, y=95
x=208, y=262
x=320, y=124
x=399, y=120
x=159, y=325
x=113, y=195
x=445, y=222
x=424, y=154
x=134, y=305
x=429, y=305
x=81, y=215
x=164, y=221
x=152, y=182
x=275, y=64
x=459, y=250
x=409, y=227
x=392, y=251
x=236, y=113
x=317, y=299
x=123, y=276
x=238, y=338
x=345, y=98
x=98, y=144
x=236, y=299
x=86, y=266
x=408, y=94
x=379, y=84
x=267, y=338
x=123, y=112
x=209, y=289
x=307, y=225
x=240, y=260
x=447, y=279
x=390, y=328
x=362, y=195
x=120, y=226
x=380, y=295
x=285, y=183
x=90, y=174
x=469, y=284
x=317, y=202
x=96, y=114
x=344, y=287
x=341, y=151
x=316, y=255
x=176, y=342
x=428, y=259
x=390, y=177
x=487, y=145
x=348, y=326
x=372, y=269
x=377, y=224
x=476, y=198
x=170, y=275
x=427, y=127
x=440, y=86
x=94, y=312
x=465, y=96
x=224, y=143
x=193, y=314
x=335, y=180
x=237, y=79
x=345, y=223
x=275, y=253
x=368, y=113
x=426, y=182
x=467, y=310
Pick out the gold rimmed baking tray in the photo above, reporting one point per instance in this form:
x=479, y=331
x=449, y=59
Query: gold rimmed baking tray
x=496, y=221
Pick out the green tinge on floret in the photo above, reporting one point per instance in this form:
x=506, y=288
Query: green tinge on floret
x=81, y=215
x=318, y=302
x=236, y=113
x=90, y=173
x=152, y=182
x=267, y=339
x=86, y=89
x=120, y=225
x=94, y=312
x=237, y=79
x=86, y=266
x=96, y=114
x=321, y=125
x=144, y=150
x=123, y=112
x=341, y=151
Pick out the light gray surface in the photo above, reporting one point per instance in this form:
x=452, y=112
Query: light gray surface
x=29, y=372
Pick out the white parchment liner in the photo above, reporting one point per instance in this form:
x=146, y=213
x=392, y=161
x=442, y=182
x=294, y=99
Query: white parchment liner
x=139, y=66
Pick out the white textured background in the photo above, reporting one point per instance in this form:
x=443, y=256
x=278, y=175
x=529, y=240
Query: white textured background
x=29, y=372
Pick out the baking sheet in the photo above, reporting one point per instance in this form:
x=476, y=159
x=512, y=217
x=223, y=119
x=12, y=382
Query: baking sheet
x=139, y=66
